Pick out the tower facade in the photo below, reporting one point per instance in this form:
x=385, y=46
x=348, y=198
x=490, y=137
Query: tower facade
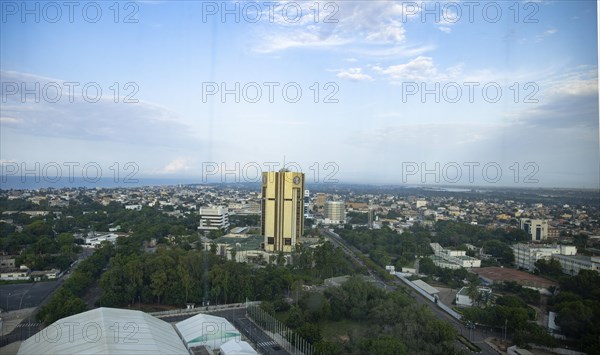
x=335, y=211
x=282, y=212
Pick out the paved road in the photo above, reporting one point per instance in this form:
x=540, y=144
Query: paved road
x=475, y=335
x=19, y=296
x=350, y=251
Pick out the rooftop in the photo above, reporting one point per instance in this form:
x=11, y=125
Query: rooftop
x=498, y=274
x=152, y=335
x=249, y=242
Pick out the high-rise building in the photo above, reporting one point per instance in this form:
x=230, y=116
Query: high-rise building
x=282, y=219
x=321, y=198
x=335, y=211
x=536, y=228
x=306, y=203
x=213, y=218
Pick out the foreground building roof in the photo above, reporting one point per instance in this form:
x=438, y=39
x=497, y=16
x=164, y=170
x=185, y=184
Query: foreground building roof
x=207, y=330
x=106, y=331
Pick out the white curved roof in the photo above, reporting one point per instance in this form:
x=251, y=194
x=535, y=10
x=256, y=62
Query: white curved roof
x=234, y=347
x=106, y=331
x=207, y=330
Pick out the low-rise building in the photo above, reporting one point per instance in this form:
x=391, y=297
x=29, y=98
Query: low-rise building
x=526, y=255
x=450, y=257
x=464, y=300
x=94, y=239
x=243, y=248
x=572, y=264
x=44, y=275
x=14, y=274
x=213, y=218
x=7, y=261
x=133, y=207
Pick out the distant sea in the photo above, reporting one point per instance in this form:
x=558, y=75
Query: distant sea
x=30, y=183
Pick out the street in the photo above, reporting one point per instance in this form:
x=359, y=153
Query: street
x=476, y=336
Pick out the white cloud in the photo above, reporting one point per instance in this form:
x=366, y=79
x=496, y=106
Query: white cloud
x=445, y=29
x=419, y=69
x=545, y=34
x=354, y=74
x=358, y=26
x=579, y=82
x=139, y=123
x=9, y=120
x=176, y=166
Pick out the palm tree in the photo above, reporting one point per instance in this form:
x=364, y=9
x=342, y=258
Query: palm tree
x=473, y=293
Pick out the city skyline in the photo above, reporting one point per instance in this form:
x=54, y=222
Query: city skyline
x=376, y=59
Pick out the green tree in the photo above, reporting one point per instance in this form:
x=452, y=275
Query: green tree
x=280, y=259
x=295, y=317
x=550, y=267
x=499, y=250
x=383, y=346
x=310, y=332
x=159, y=284
x=426, y=266
x=574, y=318
x=62, y=304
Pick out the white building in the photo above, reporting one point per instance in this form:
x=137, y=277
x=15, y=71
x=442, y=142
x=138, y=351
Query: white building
x=133, y=207
x=447, y=258
x=306, y=203
x=213, y=218
x=527, y=254
x=94, y=239
x=426, y=287
x=233, y=347
x=335, y=212
x=14, y=274
x=208, y=331
x=464, y=300
x=537, y=229
x=572, y=264
x=106, y=331
x=51, y=274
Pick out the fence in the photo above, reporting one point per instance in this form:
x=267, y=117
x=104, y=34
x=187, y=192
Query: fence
x=281, y=334
x=445, y=308
x=196, y=310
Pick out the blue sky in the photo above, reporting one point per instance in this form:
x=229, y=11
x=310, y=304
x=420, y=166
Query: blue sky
x=371, y=53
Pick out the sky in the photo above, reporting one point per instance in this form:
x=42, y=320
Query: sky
x=454, y=93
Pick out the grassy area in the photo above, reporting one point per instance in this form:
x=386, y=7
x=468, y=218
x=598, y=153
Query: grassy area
x=282, y=316
x=16, y=282
x=339, y=331
x=468, y=344
x=342, y=330
x=458, y=310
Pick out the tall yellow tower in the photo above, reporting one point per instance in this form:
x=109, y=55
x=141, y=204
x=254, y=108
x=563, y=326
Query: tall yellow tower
x=282, y=219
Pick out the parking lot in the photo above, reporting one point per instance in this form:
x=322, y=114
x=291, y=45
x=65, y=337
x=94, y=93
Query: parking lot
x=19, y=296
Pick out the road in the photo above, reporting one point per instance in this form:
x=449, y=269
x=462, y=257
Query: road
x=475, y=335
x=350, y=251
x=32, y=295
x=26, y=295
